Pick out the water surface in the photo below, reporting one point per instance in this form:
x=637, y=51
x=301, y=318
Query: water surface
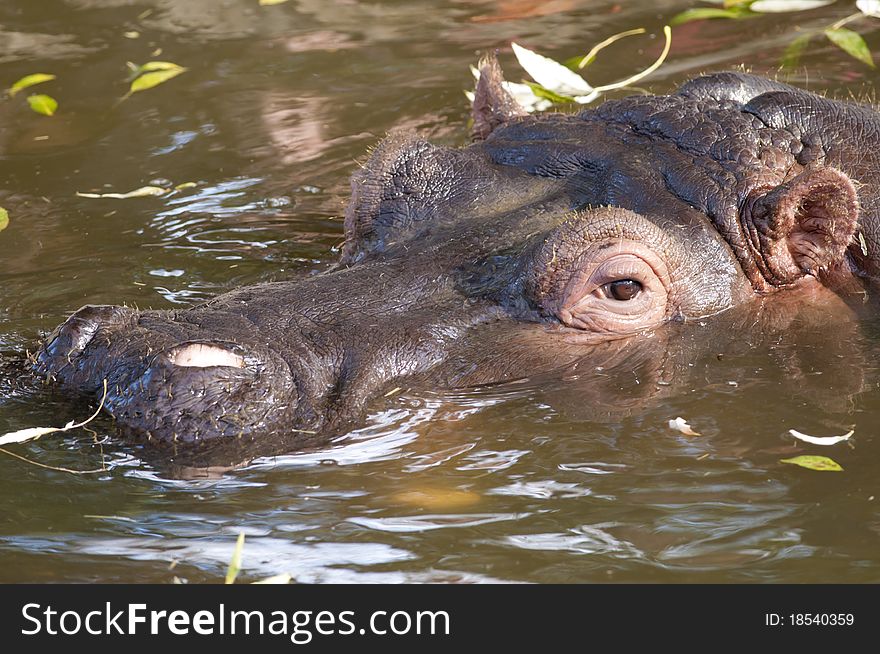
x=539, y=481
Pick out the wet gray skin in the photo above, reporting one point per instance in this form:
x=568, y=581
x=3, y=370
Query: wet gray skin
x=605, y=241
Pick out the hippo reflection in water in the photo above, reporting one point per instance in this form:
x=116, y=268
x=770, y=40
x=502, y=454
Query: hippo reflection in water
x=603, y=236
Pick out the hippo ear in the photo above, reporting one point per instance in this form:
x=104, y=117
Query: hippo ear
x=492, y=105
x=803, y=226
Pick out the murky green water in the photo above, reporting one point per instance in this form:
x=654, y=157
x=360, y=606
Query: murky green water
x=549, y=480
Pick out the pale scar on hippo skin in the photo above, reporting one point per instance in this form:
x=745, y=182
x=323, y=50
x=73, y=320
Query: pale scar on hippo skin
x=609, y=236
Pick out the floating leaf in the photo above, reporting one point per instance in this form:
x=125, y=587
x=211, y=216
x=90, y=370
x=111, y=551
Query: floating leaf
x=142, y=192
x=32, y=433
x=550, y=74
x=681, y=425
x=820, y=440
x=704, y=13
x=29, y=80
x=150, y=66
x=4, y=219
x=437, y=499
x=869, y=7
x=269, y=3
x=235, y=562
x=283, y=578
x=24, y=435
x=43, y=104
x=154, y=78
x=821, y=463
x=795, y=49
x=784, y=6
x=852, y=43
x=185, y=185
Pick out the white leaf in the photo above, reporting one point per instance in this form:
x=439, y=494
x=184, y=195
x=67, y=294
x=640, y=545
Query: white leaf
x=869, y=7
x=24, y=435
x=820, y=440
x=525, y=97
x=782, y=6
x=521, y=93
x=681, y=425
x=142, y=192
x=550, y=74
x=283, y=578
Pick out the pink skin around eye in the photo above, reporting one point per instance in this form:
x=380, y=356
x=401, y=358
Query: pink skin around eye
x=585, y=304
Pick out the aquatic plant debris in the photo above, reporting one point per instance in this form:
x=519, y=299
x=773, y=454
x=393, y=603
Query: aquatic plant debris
x=821, y=440
x=847, y=40
x=142, y=192
x=151, y=74
x=33, y=433
x=235, y=562
x=850, y=42
x=820, y=463
x=29, y=80
x=869, y=7
x=557, y=83
x=681, y=425
x=4, y=219
x=283, y=578
x=43, y=104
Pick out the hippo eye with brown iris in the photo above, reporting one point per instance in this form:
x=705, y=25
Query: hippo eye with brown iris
x=622, y=289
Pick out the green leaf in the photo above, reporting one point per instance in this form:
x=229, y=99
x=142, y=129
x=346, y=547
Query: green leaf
x=547, y=94
x=852, y=43
x=795, y=49
x=703, y=13
x=822, y=463
x=154, y=78
x=43, y=104
x=30, y=80
x=4, y=219
x=235, y=562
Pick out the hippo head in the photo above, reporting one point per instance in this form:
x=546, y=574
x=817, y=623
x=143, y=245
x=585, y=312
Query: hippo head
x=549, y=239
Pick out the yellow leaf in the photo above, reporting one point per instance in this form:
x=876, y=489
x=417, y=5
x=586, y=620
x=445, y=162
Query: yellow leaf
x=43, y=104
x=30, y=80
x=235, y=562
x=4, y=219
x=822, y=463
x=154, y=78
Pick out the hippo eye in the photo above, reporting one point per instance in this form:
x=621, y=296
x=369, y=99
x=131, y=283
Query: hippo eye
x=622, y=289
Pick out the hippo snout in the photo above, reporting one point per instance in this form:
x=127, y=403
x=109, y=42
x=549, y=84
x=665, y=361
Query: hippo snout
x=169, y=380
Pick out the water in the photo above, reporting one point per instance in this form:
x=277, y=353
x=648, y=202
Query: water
x=513, y=483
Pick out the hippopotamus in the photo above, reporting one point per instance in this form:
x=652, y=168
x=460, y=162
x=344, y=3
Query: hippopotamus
x=549, y=239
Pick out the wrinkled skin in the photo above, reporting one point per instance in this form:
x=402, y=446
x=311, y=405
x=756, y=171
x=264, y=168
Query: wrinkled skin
x=605, y=237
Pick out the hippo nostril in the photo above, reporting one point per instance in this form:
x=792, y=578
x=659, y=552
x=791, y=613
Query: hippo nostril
x=72, y=337
x=201, y=355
